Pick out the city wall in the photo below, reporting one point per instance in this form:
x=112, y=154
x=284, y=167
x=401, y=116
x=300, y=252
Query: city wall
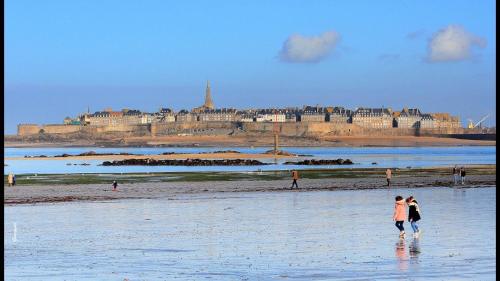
x=340, y=129
x=284, y=129
x=31, y=129
x=169, y=128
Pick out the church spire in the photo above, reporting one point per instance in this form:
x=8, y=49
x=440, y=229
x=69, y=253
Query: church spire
x=208, y=98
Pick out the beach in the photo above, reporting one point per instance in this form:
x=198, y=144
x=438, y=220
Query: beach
x=255, y=141
x=254, y=236
x=170, y=185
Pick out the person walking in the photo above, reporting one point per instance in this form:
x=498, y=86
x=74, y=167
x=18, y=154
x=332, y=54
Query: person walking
x=13, y=179
x=10, y=179
x=295, y=177
x=456, y=172
x=462, y=175
x=413, y=215
x=115, y=185
x=388, y=177
x=400, y=215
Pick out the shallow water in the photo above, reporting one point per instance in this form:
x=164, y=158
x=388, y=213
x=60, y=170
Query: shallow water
x=395, y=157
x=322, y=235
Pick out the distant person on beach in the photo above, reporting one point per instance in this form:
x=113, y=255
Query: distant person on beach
x=295, y=177
x=413, y=215
x=388, y=176
x=400, y=215
x=115, y=185
x=462, y=174
x=13, y=179
x=10, y=179
x=456, y=174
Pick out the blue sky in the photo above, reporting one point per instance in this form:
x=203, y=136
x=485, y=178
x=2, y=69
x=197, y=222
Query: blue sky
x=64, y=56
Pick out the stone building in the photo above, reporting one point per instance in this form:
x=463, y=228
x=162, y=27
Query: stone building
x=408, y=118
x=339, y=115
x=246, y=116
x=132, y=117
x=313, y=114
x=446, y=121
x=427, y=122
x=214, y=115
x=373, y=118
x=165, y=115
x=147, y=118
x=270, y=115
x=184, y=116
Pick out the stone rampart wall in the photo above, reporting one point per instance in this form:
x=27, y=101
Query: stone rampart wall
x=31, y=129
x=284, y=129
x=27, y=129
x=168, y=128
x=60, y=129
x=340, y=129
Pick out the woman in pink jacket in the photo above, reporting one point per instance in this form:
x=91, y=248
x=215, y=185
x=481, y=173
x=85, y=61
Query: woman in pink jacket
x=400, y=215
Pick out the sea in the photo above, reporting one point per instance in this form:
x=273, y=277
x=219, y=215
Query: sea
x=363, y=157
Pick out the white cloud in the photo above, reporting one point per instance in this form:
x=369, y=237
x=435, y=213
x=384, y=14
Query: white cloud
x=453, y=43
x=298, y=48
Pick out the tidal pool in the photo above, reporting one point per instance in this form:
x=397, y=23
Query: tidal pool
x=320, y=235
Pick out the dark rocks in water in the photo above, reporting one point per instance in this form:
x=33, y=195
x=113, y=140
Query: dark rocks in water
x=217, y=151
x=187, y=162
x=225, y=151
x=90, y=153
x=322, y=162
x=279, y=152
x=374, y=163
x=62, y=155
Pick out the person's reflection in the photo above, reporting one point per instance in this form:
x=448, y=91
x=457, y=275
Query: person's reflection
x=414, y=249
x=401, y=255
x=459, y=192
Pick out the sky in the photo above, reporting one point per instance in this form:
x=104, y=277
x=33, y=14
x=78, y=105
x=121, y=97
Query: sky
x=64, y=57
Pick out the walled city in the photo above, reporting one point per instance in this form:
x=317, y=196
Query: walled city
x=308, y=120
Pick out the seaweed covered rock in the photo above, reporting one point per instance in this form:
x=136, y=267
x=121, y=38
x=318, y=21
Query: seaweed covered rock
x=187, y=162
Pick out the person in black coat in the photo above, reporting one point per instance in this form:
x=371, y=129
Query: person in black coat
x=413, y=215
x=462, y=174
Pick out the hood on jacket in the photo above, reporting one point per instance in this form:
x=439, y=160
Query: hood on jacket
x=414, y=203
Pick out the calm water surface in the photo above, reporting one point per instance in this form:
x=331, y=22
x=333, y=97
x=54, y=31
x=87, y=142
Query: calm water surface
x=323, y=235
x=396, y=157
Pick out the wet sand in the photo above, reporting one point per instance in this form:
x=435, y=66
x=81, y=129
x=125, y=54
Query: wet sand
x=262, y=141
x=26, y=194
x=255, y=236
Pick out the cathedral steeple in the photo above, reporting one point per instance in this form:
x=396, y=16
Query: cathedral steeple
x=208, y=98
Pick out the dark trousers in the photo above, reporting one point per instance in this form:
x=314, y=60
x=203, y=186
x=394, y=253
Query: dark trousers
x=388, y=182
x=399, y=225
x=295, y=183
